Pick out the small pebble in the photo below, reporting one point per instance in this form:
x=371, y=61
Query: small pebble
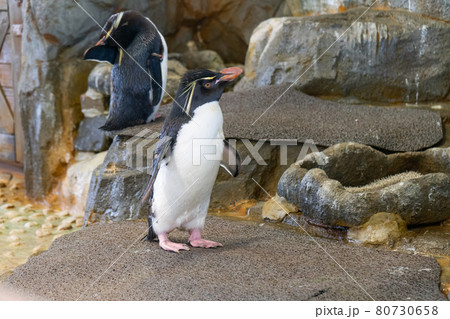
x=36, y=216
x=63, y=213
x=47, y=226
x=47, y=211
x=8, y=254
x=51, y=218
x=13, y=238
x=37, y=249
x=57, y=236
x=11, y=214
x=19, y=219
x=17, y=231
x=2, y=226
x=31, y=225
x=25, y=209
x=14, y=187
x=42, y=233
x=64, y=227
x=79, y=222
x=15, y=244
x=7, y=206
x=68, y=220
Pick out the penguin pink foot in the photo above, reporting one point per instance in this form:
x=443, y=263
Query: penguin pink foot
x=168, y=245
x=157, y=116
x=196, y=240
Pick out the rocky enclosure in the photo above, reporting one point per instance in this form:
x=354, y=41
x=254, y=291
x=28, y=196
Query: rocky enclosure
x=55, y=35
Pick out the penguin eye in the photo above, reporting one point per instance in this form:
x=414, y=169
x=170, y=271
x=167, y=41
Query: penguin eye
x=207, y=85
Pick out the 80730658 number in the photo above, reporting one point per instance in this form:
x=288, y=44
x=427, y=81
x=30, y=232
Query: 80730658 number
x=406, y=310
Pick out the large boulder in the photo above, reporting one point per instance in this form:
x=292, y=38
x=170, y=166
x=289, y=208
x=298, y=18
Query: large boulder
x=386, y=55
x=348, y=183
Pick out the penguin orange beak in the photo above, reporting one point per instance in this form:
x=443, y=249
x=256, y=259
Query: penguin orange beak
x=229, y=74
x=101, y=41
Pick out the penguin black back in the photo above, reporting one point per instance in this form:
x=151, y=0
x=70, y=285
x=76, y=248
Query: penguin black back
x=138, y=52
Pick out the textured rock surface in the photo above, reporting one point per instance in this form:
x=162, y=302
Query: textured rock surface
x=439, y=9
x=4, y=25
x=381, y=228
x=256, y=263
x=90, y=137
x=295, y=115
x=116, y=187
x=319, y=185
x=386, y=56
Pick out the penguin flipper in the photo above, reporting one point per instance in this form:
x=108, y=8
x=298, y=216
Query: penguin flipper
x=101, y=53
x=231, y=161
x=154, y=67
x=162, y=151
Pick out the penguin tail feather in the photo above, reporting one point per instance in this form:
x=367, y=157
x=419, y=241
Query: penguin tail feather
x=151, y=233
x=110, y=127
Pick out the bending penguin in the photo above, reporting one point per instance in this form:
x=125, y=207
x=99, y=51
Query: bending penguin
x=187, y=157
x=138, y=53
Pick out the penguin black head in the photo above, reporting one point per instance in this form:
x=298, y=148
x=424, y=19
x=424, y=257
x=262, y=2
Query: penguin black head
x=118, y=33
x=198, y=87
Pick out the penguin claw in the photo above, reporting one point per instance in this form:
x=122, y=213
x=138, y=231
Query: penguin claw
x=173, y=247
x=203, y=243
x=196, y=240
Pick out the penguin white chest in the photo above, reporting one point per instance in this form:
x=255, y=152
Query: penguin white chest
x=183, y=187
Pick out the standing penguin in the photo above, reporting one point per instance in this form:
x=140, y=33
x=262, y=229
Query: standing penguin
x=185, y=163
x=135, y=96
